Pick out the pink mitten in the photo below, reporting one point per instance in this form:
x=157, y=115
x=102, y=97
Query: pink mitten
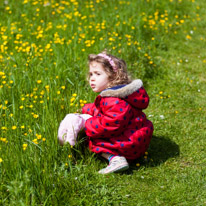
x=70, y=127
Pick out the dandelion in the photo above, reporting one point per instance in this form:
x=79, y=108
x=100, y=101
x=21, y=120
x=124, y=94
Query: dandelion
x=1, y=160
x=69, y=156
x=39, y=81
x=188, y=37
x=38, y=136
x=35, y=116
x=4, y=140
x=35, y=141
x=13, y=127
x=24, y=146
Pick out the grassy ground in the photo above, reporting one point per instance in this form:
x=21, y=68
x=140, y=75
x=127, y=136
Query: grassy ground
x=44, y=47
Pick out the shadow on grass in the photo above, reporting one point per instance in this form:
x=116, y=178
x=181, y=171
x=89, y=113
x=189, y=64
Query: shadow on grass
x=161, y=149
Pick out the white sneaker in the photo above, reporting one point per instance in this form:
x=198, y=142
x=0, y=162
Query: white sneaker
x=117, y=164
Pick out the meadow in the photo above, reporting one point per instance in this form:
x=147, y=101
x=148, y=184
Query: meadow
x=44, y=46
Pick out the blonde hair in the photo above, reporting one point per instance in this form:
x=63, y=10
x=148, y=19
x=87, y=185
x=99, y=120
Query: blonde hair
x=116, y=77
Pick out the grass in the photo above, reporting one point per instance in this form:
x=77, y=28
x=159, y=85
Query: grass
x=44, y=48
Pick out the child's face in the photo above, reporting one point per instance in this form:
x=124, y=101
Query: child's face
x=98, y=78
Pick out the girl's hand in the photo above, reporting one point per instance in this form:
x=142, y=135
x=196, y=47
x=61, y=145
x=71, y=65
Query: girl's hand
x=79, y=111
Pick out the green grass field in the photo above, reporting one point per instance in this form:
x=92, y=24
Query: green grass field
x=44, y=47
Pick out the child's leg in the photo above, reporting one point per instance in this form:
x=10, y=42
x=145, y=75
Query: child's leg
x=106, y=155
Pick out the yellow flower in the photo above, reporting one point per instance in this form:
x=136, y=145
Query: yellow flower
x=35, y=141
x=63, y=87
x=39, y=81
x=1, y=160
x=38, y=136
x=138, y=164
x=21, y=107
x=188, y=37
x=4, y=140
x=13, y=127
x=24, y=146
x=70, y=156
x=35, y=116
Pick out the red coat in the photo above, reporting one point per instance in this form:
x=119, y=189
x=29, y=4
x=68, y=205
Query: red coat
x=118, y=125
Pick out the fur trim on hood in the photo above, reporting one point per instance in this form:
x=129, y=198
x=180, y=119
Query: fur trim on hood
x=122, y=91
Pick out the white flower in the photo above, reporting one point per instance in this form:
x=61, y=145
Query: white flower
x=162, y=117
x=191, y=32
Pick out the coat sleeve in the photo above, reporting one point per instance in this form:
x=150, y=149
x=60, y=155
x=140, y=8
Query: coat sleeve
x=111, y=121
x=89, y=108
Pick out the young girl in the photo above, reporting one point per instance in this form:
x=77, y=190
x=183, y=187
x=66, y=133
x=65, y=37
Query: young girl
x=118, y=129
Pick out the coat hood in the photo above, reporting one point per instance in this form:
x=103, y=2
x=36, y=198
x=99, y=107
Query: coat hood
x=133, y=93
